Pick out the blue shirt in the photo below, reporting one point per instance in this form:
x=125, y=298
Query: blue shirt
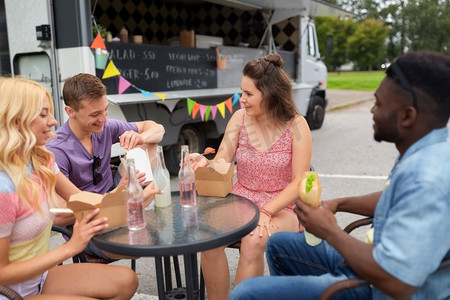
x=75, y=162
x=412, y=218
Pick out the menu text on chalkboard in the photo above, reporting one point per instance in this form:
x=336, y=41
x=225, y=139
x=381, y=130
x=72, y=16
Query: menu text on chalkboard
x=162, y=68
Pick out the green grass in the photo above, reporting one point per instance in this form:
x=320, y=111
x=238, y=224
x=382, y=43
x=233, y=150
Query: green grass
x=358, y=81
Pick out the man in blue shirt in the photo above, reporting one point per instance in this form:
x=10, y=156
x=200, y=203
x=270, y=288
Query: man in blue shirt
x=411, y=216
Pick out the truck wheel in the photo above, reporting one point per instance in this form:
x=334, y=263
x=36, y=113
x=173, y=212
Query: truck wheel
x=316, y=113
x=190, y=136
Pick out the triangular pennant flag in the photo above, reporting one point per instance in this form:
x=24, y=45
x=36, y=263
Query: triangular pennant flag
x=229, y=105
x=98, y=42
x=242, y=104
x=170, y=105
x=190, y=105
x=110, y=71
x=213, y=111
x=221, y=108
x=123, y=85
x=162, y=96
x=202, y=111
x=235, y=98
x=207, y=112
x=100, y=61
x=146, y=93
x=195, y=110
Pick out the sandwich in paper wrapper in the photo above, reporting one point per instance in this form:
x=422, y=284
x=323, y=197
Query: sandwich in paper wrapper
x=216, y=179
x=112, y=206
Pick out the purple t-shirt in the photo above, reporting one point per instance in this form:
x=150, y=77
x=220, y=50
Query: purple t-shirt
x=75, y=162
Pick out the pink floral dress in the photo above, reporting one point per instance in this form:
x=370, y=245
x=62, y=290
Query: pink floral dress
x=262, y=175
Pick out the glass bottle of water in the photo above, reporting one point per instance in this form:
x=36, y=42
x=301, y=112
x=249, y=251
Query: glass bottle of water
x=162, y=180
x=135, y=199
x=186, y=178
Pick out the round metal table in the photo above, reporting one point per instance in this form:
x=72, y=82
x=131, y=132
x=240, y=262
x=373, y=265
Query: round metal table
x=177, y=230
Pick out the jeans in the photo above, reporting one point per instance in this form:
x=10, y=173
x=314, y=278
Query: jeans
x=298, y=271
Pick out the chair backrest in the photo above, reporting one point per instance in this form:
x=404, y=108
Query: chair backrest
x=9, y=293
x=85, y=257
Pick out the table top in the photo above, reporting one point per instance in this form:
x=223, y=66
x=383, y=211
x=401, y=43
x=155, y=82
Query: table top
x=175, y=230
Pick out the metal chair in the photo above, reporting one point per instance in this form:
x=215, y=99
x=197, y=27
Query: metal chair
x=84, y=257
x=9, y=293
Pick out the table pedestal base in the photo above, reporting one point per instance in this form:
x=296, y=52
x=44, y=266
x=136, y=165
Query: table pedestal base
x=165, y=291
x=179, y=293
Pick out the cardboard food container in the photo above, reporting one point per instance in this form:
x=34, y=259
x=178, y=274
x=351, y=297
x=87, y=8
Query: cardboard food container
x=215, y=179
x=112, y=206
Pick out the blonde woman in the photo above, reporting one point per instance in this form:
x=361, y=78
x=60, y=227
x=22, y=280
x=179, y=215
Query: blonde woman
x=272, y=146
x=29, y=181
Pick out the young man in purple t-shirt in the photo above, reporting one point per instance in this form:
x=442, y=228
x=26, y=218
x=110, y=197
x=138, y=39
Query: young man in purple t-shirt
x=82, y=146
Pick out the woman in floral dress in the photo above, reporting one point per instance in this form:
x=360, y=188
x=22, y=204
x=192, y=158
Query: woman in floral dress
x=272, y=146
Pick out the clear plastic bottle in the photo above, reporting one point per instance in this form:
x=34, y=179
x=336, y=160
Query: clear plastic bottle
x=135, y=199
x=186, y=178
x=162, y=180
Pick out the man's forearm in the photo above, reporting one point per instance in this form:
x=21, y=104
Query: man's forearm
x=362, y=205
x=151, y=132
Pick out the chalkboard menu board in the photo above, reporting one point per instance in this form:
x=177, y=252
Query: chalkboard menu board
x=161, y=68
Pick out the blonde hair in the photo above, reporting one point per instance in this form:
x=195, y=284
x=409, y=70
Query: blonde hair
x=21, y=102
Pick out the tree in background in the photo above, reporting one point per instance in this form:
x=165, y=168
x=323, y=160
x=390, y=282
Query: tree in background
x=341, y=29
x=410, y=24
x=427, y=25
x=366, y=46
x=361, y=42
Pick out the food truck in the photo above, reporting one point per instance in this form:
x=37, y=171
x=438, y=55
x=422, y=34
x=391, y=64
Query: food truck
x=181, y=63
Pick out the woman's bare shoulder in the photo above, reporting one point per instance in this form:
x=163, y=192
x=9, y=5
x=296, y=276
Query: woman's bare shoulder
x=300, y=122
x=238, y=116
x=300, y=128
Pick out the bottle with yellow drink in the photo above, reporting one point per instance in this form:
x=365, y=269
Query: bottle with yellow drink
x=309, y=190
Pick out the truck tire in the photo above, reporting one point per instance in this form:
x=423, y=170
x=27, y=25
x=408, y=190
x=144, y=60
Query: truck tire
x=190, y=136
x=316, y=112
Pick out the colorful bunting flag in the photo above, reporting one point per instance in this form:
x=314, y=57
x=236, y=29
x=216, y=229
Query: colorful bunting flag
x=100, y=60
x=190, y=105
x=207, y=112
x=214, y=111
x=98, y=42
x=111, y=70
x=162, y=96
x=195, y=110
x=202, y=111
x=229, y=105
x=146, y=93
x=221, y=108
x=123, y=85
x=236, y=98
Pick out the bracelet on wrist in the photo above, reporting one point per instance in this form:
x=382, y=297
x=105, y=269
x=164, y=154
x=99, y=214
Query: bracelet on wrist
x=266, y=212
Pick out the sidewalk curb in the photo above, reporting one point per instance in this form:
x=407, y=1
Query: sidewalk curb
x=338, y=99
